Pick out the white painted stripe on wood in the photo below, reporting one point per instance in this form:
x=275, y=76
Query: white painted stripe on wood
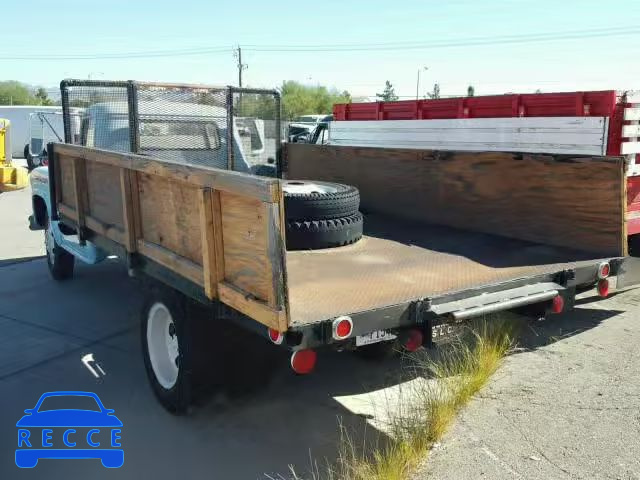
x=632, y=113
x=630, y=147
x=630, y=131
x=570, y=135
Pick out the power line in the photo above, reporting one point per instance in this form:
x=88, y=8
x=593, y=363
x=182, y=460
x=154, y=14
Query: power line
x=388, y=46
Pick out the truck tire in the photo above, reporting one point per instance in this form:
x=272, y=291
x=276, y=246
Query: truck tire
x=315, y=234
x=178, y=357
x=59, y=261
x=306, y=200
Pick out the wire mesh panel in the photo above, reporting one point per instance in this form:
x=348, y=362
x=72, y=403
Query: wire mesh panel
x=221, y=127
x=256, y=133
x=185, y=124
x=96, y=114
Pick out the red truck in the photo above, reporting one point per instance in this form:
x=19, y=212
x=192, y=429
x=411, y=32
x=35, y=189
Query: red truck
x=595, y=122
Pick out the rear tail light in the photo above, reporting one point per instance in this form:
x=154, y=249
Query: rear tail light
x=303, y=361
x=603, y=288
x=414, y=340
x=557, y=304
x=45, y=161
x=275, y=336
x=342, y=328
x=604, y=269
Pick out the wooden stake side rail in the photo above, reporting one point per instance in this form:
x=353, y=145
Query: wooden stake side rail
x=222, y=230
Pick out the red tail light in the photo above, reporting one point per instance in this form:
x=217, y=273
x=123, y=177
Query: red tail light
x=557, y=304
x=342, y=327
x=603, y=288
x=303, y=361
x=275, y=336
x=414, y=341
x=45, y=161
x=604, y=269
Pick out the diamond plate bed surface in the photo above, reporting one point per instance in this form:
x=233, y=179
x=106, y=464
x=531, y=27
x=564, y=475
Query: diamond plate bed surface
x=397, y=262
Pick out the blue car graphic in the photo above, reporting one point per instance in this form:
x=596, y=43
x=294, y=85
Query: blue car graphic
x=36, y=432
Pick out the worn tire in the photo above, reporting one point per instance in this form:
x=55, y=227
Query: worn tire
x=342, y=202
x=59, y=261
x=176, y=388
x=315, y=234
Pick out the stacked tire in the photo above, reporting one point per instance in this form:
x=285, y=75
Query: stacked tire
x=321, y=215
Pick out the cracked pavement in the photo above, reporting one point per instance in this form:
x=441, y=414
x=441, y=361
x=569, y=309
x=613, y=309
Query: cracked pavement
x=565, y=405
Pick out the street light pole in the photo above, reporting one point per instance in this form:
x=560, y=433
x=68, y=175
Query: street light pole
x=418, y=83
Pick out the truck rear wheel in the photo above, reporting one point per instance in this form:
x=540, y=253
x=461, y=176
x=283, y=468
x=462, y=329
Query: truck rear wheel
x=178, y=365
x=59, y=261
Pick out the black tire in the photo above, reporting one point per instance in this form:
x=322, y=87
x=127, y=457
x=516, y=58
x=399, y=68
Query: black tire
x=343, y=202
x=315, y=234
x=59, y=261
x=28, y=158
x=178, y=397
x=378, y=351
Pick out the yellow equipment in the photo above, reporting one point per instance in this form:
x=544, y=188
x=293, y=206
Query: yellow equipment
x=11, y=178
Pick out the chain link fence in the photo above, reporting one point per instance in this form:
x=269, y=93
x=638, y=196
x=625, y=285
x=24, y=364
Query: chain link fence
x=221, y=127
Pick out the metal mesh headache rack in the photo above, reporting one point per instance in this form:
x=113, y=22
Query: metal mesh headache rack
x=223, y=127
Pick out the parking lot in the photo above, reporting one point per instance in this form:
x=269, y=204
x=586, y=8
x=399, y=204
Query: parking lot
x=563, y=407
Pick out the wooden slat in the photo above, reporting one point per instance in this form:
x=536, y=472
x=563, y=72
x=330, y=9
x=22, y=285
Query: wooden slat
x=127, y=211
x=631, y=131
x=276, y=252
x=208, y=244
x=79, y=192
x=65, y=183
x=167, y=258
x=68, y=211
x=632, y=113
x=252, y=307
x=245, y=236
x=550, y=199
x=629, y=148
x=135, y=203
x=261, y=188
x=216, y=211
x=169, y=215
x=112, y=232
x=104, y=193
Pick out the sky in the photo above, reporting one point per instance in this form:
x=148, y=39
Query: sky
x=498, y=46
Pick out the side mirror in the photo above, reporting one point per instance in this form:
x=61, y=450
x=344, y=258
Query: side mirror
x=109, y=411
x=271, y=160
x=29, y=411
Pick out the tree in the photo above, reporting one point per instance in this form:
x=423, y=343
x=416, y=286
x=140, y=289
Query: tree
x=389, y=93
x=15, y=93
x=538, y=91
x=299, y=99
x=436, y=91
x=41, y=95
x=471, y=91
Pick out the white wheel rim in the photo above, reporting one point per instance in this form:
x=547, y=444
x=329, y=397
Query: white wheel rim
x=295, y=187
x=162, y=345
x=49, y=242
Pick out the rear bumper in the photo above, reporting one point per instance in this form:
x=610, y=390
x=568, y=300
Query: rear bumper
x=457, y=307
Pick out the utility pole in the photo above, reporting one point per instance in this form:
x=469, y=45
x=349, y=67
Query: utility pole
x=418, y=82
x=241, y=66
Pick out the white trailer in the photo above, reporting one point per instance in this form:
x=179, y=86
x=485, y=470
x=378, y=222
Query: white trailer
x=20, y=118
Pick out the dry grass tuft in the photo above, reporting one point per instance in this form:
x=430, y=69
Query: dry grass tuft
x=422, y=416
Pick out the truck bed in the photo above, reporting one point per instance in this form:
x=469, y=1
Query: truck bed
x=399, y=261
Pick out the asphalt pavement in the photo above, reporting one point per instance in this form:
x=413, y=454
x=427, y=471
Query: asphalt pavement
x=565, y=406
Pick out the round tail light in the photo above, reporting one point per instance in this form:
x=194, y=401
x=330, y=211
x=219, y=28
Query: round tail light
x=275, y=336
x=342, y=327
x=604, y=269
x=603, y=288
x=303, y=361
x=414, y=341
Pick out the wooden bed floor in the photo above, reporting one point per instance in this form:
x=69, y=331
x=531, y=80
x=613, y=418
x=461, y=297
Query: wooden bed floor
x=397, y=261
